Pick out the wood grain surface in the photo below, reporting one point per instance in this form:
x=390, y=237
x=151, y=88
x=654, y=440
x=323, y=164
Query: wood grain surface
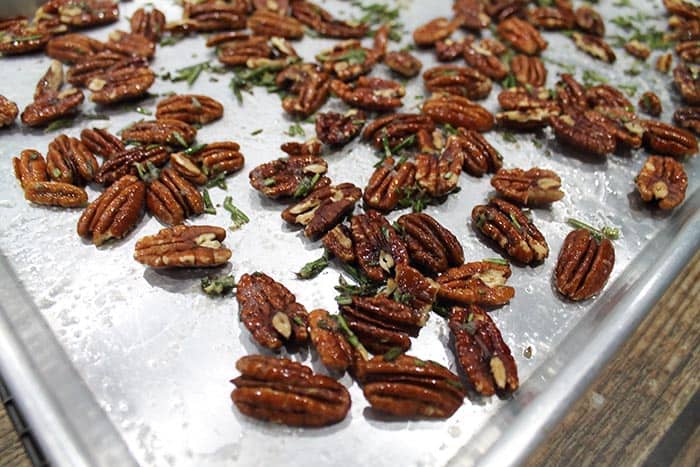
x=643, y=409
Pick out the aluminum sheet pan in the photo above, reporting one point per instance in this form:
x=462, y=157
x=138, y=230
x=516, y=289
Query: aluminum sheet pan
x=157, y=355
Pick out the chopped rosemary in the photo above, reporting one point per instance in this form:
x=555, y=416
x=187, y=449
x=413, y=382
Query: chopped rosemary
x=295, y=130
x=218, y=181
x=313, y=268
x=148, y=173
x=501, y=261
x=238, y=217
x=392, y=354
x=306, y=186
x=208, y=205
x=256, y=132
x=217, y=286
x=611, y=233
x=352, y=338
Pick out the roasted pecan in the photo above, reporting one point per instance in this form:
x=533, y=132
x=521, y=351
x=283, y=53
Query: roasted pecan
x=483, y=355
x=278, y=6
x=378, y=248
x=450, y=50
x=623, y=124
x=584, y=265
x=381, y=38
x=189, y=108
x=335, y=351
x=459, y=112
x=161, y=131
x=435, y=30
x=216, y=158
x=662, y=180
x=124, y=162
x=290, y=176
x=30, y=166
x=412, y=288
x=101, y=142
x=500, y=10
x=522, y=36
x=372, y=93
x=478, y=154
x=552, y=18
x=529, y=98
x=638, y=49
x=323, y=209
x=396, y=128
x=684, y=30
x=71, y=48
x=115, y=212
x=311, y=147
x=59, y=194
x=664, y=62
x=571, y=95
x=93, y=66
x=216, y=16
x=338, y=242
x=683, y=8
x=688, y=117
x=52, y=106
x=339, y=129
x=606, y=96
x=410, y=387
x=70, y=161
x=687, y=79
x=172, y=199
x=51, y=82
x=8, y=111
x=187, y=168
x=662, y=138
x=512, y=231
x=438, y=175
x=525, y=119
x=528, y=70
x=431, y=247
x=533, y=187
x=236, y=49
x=387, y=185
x=650, y=104
x=120, y=84
x=128, y=44
x=270, y=312
x=594, y=46
x=324, y=23
x=22, y=39
x=583, y=134
x=184, y=246
x=689, y=51
x=458, y=80
x=403, y=63
x=310, y=86
x=480, y=283
x=485, y=62
x=148, y=23
x=281, y=391
x=589, y=21
x=472, y=14
x=267, y=23
x=348, y=59
x=87, y=13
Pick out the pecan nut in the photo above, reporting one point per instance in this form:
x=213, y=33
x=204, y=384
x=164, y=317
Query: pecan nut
x=270, y=312
x=338, y=243
x=8, y=111
x=431, y=247
x=528, y=70
x=485, y=62
x=689, y=51
x=149, y=24
x=51, y=82
x=688, y=118
x=571, y=95
x=687, y=79
x=624, y=125
x=324, y=23
x=664, y=62
x=215, y=16
x=131, y=44
x=187, y=168
x=589, y=21
x=235, y=49
x=311, y=147
x=19, y=39
x=309, y=86
x=461, y=81
x=172, y=199
x=396, y=128
x=583, y=134
x=337, y=129
x=683, y=9
x=435, y=30
x=412, y=288
x=323, y=209
x=183, y=246
x=662, y=138
x=521, y=35
x=511, y=230
x=290, y=176
x=189, y=108
x=479, y=156
x=30, y=166
x=373, y=93
x=594, y=46
x=378, y=247
x=335, y=351
x=70, y=161
x=450, y=50
x=483, y=355
x=604, y=95
x=480, y=283
x=472, y=14
x=638, y=49
x=52, y=106
x=87, y=13
x=267, y=23
x=459, y=112
x=438, y=175
x=552, y=18
x=124, y=163
x=387, y=185
x=101, y=142
x=217, y=158
x=161, y=131
x=525, y=119
x=584, y=265
x=281, y=391
x=120, y=84
x=115, y=212
x=533, y=187
x=348, y=60
x=403, y=63
x=96, y=65
x=59, y=194
x=71, y=48
x=662, y=180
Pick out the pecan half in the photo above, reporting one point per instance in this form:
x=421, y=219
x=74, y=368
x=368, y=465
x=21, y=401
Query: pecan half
x=87, y=13
x=459, y=112
x=664, y=62
x=59, y=194
x=684, y=30
x=438, y=175
x=190, y=108
x=552, y=18
x=183, y=246
x=683, y=8
x=101, y=142
x=130, y=44
x=571, y=95
x=528, y=70
x=638, y=49
x=267, y=23
x=323, y=209
x=594, y=46
x=216, y=158
x=120, y=84
x=188, y=168
x=396, y=128
x=484, y=61
x=19, y=39
x=583, y=134
x=387, y=185
x=324, y=23
x=589, y=21
x=505, y=224
x=461, y=81
x=435, y=30
x=403, y=63
x=533, y=187
x=412, y=288
x=338, y=242
x=450, y=50
x=71, y=48
x=478, y=155
x=124, y=162
x=285, y=176
x=472, y=14
x=270, y=311
x=8, y=111
x=335, y=351
x=378, y=248
x=236, y=49
x=115, y=212
x=431, y=247
x=311, y=147
x=584, y=265
x=483, y=355
x=70, y=161
x=215, y=16
x=339, y=129
x=310, y=86
x=281, y=391
x=689, y=51
x=606, y=96
x=30, y=166
x=688, y=117
x=347, y=60
x=480, y=283
x=150, y=23
x=161, y=131
x=172, y=199
x=650, y=104
x=687, y=79
x=96, y=65
x=530, y=98
x=500, y=10
x=51, y=82
x=662, y=180
x=522, y=36
x=662, y=138
x=373, y=93
x=52, y=106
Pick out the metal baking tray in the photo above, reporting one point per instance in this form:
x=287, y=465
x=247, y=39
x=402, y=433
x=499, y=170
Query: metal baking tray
x=114, y=363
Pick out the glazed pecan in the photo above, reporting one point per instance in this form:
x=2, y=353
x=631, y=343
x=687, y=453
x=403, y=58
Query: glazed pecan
x=70, y=161
x=87, y=13
x=236, y=49
x=347, y=60
x=172, y=199
x=270, y=312
x=378, y=248
x=638, y=49
x=583, y=134
x=511, y=230
x=381, y=38
x=525, y=119
x=329, y=341
x=71, y=48
x=124, y=162
x=189, y=108
x=278, y=6
x=52, y=106
x=58, y=194
x=459, y=112
x=522, y=36
x=485, y=62
x=387, y=185
x=472, y=14
x=530, y=98
x=339, y=129
x=435, y=30
x=323, y=209
x=689, y=51
x=19, y=39
x=101, y=142
x=461, y=81
x=129, y=44
x=30, y=166
x=688, y=117
x=483, y=355
x=183, y=246
x=683, y=8
x=533, y=187
x=480, y=283
x=594, y=46
x=8, y=111
x=150, y=23
x=121, y=83
x=324, y=23
x=662, y=180
x=290, y=176
x=161, y=131
x=216, y=158
x=338, y=242
x=431, y=247
x=403, y=63
x=281, y=391
x=267, y=23
x=500, y=10
x=684, y=30
x=664, y=62
x=311, y=147
x=450, y=50
x=215, y=16
x=412, y=288
x=589, y=21
x=528, y=70
x=606, y=96
x=479, y=157
x=188, y=168
x=98, y=64
x=552, y=18
x=310, y=86
x=584, y=265
x=373, y=93
x=410, y=387
x=650, y=104
x=115, y=212
x=571, y=95
x=438, y=175
x=396, y=128
x=687, y=79
x=662, y=138
x=51, y=82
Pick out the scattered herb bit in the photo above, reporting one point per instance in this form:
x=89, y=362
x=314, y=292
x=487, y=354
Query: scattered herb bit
x=189, y=73
x=194, y=149
x=611, y=233
x=143, y=111
x=170, y=40
x=622, y=3
x=590, y=78
x=632, y=71
x=56, y=172
x=418, y=362
x=208, y=205
x=509, y=137
x=352, y=57
x=237, y=216
x=363, y=286
x=178, y=137
x=515, y=221
x=376, y=14
x=295, y=130
x=218, y=181
x=269, y=181
x=217, y=286
x=313, y=268
x=527, y=353
x=352, y=338
x=402, y=297
x=450, y=129
x=509, y=82
x=630, y=89
x=263, y=76
x=538, y=143
x=456, y=384
x=501, y=261
x=392, y=354
x=565, y=66
x=256, y=132
x=148, y=173
x=306, y=186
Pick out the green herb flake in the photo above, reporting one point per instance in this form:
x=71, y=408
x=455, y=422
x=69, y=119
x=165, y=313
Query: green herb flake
x=509, y=137
x=306, y=186
x=590, y=78
x=392, y=354
x=352, y=338
x=295, y=130
x=611, y=233
x=143, y=111
x=238, y=217
x=56, y=172
x=256, y=132
x=179, y=138
x=501, y=261
x=629, y=89
x=218, y=181
x=313, y=268
x=208, y=205
x=269, y=181
x=217, y=286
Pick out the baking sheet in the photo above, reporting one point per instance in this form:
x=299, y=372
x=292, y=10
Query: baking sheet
x=157, y=354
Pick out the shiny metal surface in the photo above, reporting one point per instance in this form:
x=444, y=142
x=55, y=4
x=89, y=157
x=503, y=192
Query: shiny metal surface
x=156, y=354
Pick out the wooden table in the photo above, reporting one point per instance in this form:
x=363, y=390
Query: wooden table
x=643, y=408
